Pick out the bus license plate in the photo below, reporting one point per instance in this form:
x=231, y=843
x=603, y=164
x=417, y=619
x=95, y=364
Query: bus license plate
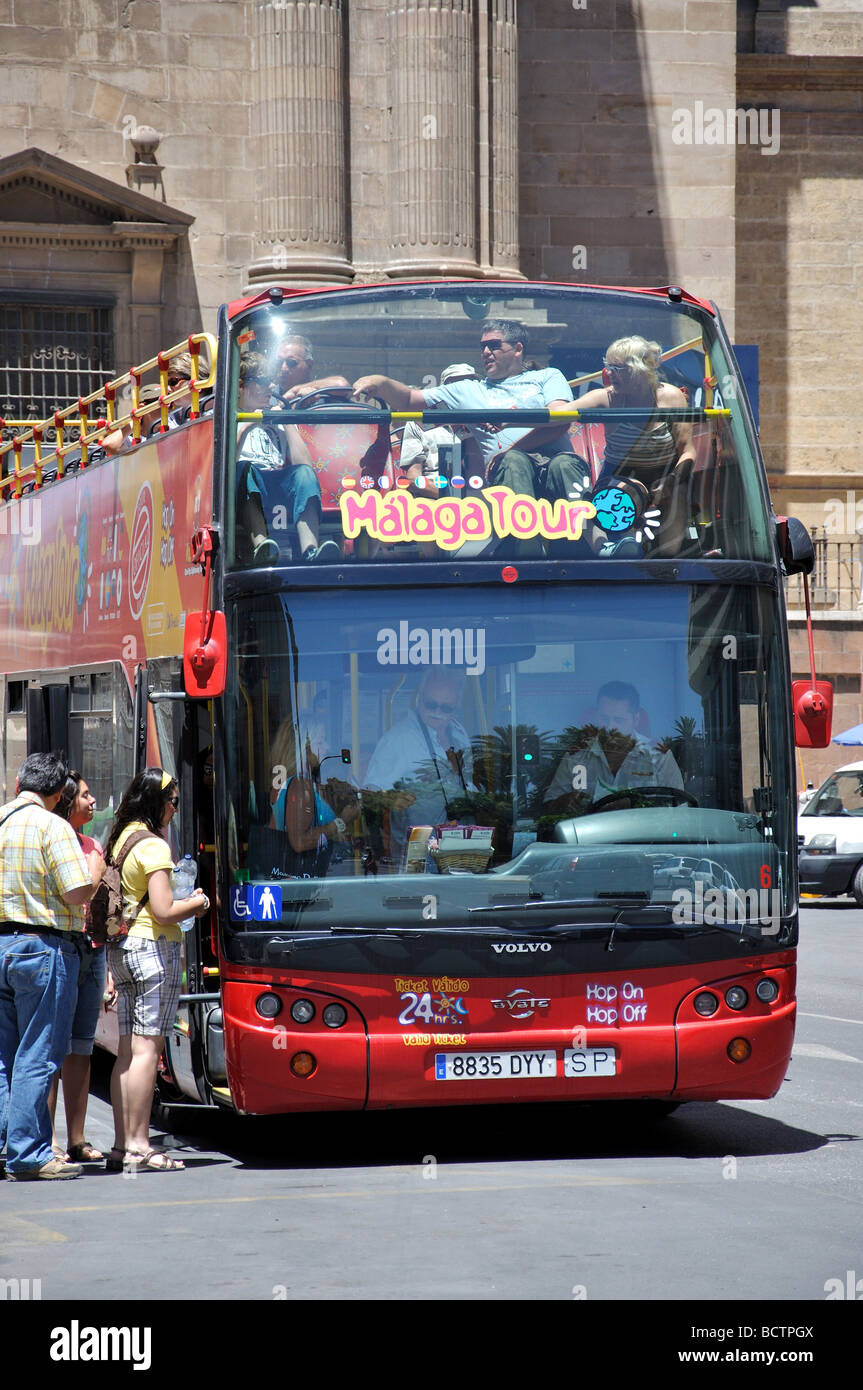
x=590, y=1061
x=493, y=1066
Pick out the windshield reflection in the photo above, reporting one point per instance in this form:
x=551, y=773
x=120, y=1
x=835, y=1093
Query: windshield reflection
x=396, y=768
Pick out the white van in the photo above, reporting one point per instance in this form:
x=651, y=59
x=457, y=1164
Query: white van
x=830, y=836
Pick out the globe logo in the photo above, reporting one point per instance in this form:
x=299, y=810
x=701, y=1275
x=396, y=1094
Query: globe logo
x=615, y=509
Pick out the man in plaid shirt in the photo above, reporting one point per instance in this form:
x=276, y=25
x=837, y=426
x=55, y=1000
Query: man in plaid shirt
x=45, y=881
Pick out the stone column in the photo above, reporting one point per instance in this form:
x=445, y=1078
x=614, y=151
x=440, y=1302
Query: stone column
x=500, y=256
x=432, y=148
x=299, y=120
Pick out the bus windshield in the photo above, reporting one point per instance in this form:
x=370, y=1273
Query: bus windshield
x=660, y=462
x=428, y=754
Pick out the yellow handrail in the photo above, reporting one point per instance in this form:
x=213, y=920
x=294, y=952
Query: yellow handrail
x=61, y=419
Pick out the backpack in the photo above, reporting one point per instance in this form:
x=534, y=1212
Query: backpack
x=105, y=920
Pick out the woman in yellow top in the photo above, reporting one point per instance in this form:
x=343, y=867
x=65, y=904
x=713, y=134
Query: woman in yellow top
x=146, y=965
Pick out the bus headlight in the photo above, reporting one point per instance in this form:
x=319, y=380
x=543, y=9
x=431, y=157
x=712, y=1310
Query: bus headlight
x=767, y=991
x=736, y=997
x=705, y=1003
x=268, y=1005
x=335, y=1015
x=821, y=844
x=302, y=1011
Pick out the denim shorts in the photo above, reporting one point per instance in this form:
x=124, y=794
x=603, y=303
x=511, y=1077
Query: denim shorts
x=148, y=976
x=91, y=989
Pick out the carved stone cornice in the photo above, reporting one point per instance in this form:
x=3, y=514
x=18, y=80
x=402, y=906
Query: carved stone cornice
x=122, y=236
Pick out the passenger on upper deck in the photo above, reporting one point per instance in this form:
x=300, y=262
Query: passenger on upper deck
x=294, y=362
x=539, y=462
x=422, y=450
x=120, y=440
x=653, y=452
x=276, y=484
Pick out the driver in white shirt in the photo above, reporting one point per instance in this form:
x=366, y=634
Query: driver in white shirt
x=426, y=757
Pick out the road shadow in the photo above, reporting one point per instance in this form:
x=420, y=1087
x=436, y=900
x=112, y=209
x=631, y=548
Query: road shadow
x=489, y=1134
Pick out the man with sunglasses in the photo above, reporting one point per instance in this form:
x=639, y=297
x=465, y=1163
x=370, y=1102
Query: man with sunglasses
x=426, y=758
x=539, y=462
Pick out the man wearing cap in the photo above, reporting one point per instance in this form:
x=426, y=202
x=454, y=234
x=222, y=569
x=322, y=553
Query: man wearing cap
x=121, y=440
x=539, y=462
x=421, y=449
x=45, y=881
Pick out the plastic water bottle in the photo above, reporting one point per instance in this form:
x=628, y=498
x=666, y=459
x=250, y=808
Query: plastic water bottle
x=183, y=885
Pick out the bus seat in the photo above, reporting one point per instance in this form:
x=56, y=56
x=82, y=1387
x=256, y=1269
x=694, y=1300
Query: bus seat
x=588, y=440
x=346, y=451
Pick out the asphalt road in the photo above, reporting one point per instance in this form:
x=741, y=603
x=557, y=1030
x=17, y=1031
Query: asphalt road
x=735, y=1201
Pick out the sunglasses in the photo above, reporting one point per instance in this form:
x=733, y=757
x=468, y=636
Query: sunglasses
x=174, y=801
x=492, y=345
x=435, y=705
x=291, y=363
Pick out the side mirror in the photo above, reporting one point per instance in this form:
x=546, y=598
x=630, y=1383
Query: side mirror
x=813, y=713
x=796, y=550
x=205, y=655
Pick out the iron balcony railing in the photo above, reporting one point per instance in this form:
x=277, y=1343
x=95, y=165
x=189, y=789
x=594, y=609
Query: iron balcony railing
x=836, y=583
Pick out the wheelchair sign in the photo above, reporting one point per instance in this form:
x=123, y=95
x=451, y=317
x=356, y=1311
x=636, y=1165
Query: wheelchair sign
x=256, y=902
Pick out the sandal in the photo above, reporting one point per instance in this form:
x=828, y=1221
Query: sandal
x=84, y=1153
x=149, y=1161
x=115, y=1160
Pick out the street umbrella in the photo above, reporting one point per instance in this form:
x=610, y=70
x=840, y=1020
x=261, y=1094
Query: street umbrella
x=850, y=736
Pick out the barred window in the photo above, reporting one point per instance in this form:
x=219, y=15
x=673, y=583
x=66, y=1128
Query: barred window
x=52, y=352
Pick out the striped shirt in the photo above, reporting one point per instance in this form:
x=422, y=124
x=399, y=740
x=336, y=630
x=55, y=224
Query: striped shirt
x=634, y=444
x=40, y=859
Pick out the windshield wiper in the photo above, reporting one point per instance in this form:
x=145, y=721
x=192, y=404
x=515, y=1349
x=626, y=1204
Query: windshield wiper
x=639, y=903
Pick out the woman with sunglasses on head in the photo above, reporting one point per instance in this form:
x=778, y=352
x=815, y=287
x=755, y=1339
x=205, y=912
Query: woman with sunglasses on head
x=653, y=455
x=146, y=965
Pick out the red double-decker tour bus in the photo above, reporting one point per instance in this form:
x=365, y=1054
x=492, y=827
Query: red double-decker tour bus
x=475, y=679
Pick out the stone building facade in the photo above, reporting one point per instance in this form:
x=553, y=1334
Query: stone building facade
x=333, y=141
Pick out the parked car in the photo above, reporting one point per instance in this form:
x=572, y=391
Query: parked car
x=830, y=837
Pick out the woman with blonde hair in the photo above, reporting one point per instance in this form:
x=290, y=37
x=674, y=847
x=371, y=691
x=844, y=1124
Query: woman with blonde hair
x=651, y=453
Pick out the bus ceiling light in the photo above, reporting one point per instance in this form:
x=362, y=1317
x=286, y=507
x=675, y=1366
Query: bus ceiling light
x=335, y=1015
x=303, y=1064
x=736, y=997
x=675, y=294
x=276, y=294
x=767, y=991
x=739, y=1049
x=706, y=1003
x=268, y=1005
x=302, y=1011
